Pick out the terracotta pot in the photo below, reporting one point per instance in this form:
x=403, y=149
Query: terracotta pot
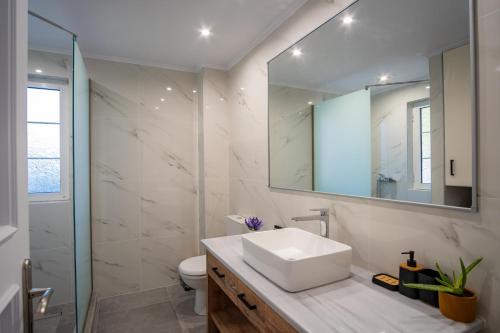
x=458, y=308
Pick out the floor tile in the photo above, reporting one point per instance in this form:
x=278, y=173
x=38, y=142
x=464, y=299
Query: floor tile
x=177, y=290
x=153, y=318
x=188, y=319
x=132, y=301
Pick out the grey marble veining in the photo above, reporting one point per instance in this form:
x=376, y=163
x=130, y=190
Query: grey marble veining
x=351, y=305
x=143, y=175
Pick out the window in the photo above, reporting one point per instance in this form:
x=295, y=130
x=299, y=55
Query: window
x=46, y=157
x=425, y=144
x=419, y=144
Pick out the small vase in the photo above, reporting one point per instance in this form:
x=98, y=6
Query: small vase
x=458, y=308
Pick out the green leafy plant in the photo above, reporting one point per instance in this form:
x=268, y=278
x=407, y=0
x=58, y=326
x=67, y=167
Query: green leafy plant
x=455, y=286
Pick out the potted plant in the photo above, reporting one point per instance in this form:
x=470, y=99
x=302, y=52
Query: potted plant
x=455, y=301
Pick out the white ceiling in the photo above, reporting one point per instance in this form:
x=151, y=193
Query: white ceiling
x=164, y=32
x=392, y=37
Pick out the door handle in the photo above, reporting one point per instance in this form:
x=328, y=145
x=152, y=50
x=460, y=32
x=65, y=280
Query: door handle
x=43, y=303
x=452, y=167
x=30, y=293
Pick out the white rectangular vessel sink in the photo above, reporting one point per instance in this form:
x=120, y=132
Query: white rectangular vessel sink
x=296, y=259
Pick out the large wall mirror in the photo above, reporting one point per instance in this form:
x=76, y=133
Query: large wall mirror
x=379, y=102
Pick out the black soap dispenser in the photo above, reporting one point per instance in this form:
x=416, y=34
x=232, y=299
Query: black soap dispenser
x=408, y=273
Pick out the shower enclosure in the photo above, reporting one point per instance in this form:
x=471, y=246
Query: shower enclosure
x=58, y=175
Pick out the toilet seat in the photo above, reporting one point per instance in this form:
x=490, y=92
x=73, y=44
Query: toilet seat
x=194, y=266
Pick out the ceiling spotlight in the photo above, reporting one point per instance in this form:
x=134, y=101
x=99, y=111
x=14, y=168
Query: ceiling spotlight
x=221, y=99
x=296, y=52
x=162, y=99
x=310, y=103
x=427, y=87
x=347, y=19
x=157, y=107
x=242, y=88
x=205, y=32
x=383, y=78
x=169, y=88
x=39, y=71
x=195, y=91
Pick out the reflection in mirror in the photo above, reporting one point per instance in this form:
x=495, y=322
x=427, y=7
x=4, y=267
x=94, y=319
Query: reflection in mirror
x=378, y=102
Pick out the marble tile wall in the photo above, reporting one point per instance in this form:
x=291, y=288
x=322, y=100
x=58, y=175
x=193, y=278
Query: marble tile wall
x=291, y=144
x=215, y=157
x=377, y=231
x=143, y=160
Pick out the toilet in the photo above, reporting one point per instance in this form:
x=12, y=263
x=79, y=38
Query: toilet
x=193, y=271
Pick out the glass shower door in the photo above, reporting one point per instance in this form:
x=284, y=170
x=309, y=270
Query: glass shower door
x=81, y=186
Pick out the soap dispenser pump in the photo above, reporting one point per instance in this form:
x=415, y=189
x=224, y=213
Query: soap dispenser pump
x=408, y=273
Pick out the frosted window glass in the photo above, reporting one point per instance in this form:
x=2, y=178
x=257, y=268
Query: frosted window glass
x=44, y=176
x=44, y=140
x=426, y=171
x=426, y=145
x=44, y=105
x=425, y=113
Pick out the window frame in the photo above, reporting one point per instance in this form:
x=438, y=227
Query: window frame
x=65, y=137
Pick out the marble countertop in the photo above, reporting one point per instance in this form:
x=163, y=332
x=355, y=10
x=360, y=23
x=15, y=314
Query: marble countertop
x=352, y=305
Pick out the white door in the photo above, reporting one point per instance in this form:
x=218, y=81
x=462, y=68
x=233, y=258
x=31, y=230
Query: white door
x=14, y=234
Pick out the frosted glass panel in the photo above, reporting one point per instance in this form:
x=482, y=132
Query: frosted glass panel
x=44, y=140
x=426, y=145
x=43, y=105
x=44, y=176
x=81, y=164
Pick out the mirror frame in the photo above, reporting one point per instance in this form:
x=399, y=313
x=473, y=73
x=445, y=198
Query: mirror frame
x=475, y=130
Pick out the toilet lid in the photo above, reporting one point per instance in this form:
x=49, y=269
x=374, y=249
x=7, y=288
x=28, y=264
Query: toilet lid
x=194, y=266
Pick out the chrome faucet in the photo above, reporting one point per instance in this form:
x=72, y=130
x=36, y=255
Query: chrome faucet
x=324, y=216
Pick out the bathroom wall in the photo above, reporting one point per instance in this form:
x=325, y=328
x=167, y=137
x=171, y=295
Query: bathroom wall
x=291, y=123
x=214, y=158
x=377, y=231
x=51, y=222
x=390, y=142
x=143, y=164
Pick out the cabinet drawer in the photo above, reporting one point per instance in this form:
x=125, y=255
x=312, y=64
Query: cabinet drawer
x=250, y=305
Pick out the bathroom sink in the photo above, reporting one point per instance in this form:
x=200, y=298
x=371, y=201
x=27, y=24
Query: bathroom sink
x=296, y=259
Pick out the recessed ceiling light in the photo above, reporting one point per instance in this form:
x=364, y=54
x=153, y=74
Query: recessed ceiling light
x=157, y=107
x=169, y=88
x=242, y=88
x=296, y=52
x=383, y=78
x=162, y=99
x=205, y=32
x=39, y=71
x=427, y=87
x=221, y=99
x=310, y=103
x=347, y=19
x=195, y=91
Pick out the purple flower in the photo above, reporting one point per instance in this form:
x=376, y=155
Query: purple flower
x=254, y=223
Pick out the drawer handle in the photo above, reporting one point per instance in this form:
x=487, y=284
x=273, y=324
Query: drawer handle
x=244, y=300
x=219, y=274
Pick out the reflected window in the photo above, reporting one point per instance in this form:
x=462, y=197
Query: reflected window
x=425, y=144
x=44, y=142
x=419, y=134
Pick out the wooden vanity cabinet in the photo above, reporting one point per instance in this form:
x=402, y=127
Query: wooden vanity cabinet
x=233, y=307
